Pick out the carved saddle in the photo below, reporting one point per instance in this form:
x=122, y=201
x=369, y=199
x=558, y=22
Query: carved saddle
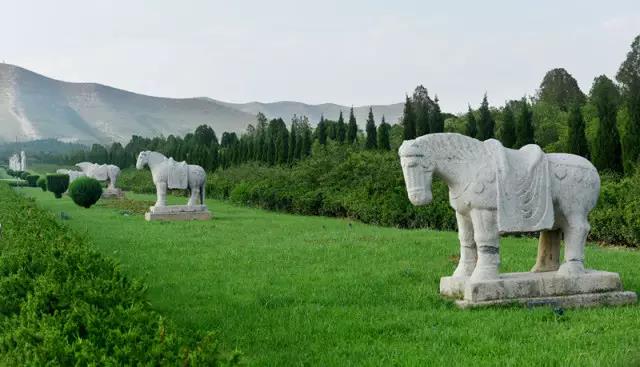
x=177, y=174
x=523, y=186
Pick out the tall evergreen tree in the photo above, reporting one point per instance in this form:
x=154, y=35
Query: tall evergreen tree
x=292, y=141
x=485, y=123
x=421, y=109
x=607, y=152
x=372, y=138
x=472, y=125
x=409, y=120
x=352, y=128
x=436, y=121
x=577, y=140
x=321, y=132
x=524, y=126
x=384, y=142
x=508, y=128
x=629, y=77
x=341, y=129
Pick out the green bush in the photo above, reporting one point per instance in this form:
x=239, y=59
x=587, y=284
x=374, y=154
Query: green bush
x=24, y=175
x=42, y=183
x=85, y=191
x=17, y=183
x=57, y=184
x=63, y=304
x=32, y=180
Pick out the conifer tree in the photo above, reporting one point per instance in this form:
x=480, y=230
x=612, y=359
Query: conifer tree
x=321, y=131
x=383, y=135
x=292, y=142
x=352, y=128
x=436, y=121
x=607, y=152
x=508, y=128
x=629, y=77
x=485, y=123
x=341, y=129
x=577, y=140
x=524, y=126
x=409, y=120
x=472, y=126
x=421, y=109
x=372, y=139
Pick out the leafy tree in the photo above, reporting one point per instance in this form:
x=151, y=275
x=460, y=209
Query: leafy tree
x=436, y=120
x=409, y=120
x=629, y=77
x=560, y=88
x=524, y=126
x=508, y=128
x=486, y=124
x=384, y=141
x=472, y=125
x=421, y=103
x=204, y=135
x=607, y=152
x=372, y=139
x=341, y=129
x=577, y=140
x=352, y=128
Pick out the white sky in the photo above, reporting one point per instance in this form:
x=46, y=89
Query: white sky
x=346, y=52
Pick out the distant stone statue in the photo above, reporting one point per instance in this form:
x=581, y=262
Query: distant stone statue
x=23, y=161
x=497, y=190
x=73, y=175
x=14, y=163
x=103, y=172
x=169, y=174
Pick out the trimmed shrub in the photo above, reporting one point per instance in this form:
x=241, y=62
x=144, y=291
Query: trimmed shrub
x=32, y=180
x=57, y=184
x=85, y=191
x=42, y=183
x=24, y=175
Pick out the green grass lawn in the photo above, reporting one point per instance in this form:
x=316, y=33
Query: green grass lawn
x=293, y=290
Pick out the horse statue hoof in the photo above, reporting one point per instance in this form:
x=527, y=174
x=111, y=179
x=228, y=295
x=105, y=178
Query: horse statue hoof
x=571, y=268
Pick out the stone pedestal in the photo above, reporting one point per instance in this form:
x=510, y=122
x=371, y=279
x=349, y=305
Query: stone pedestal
x=112, y=194
x=592, y=288
x=178, y=212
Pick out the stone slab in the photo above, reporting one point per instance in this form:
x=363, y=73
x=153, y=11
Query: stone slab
x=616, y=298
x=169, y=209
x=178, y=216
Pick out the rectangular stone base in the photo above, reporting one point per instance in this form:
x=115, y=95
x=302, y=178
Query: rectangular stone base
x=586, y=289
x=178, y=212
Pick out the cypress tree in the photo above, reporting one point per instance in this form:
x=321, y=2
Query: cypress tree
x=306, y=142
x=352, y=128
x=383, y=135
x=341, y=129
x=292, y=143
x=629, y=77
x=436, y=121
x=607, y=152
x=472, y=126
x=508, y=128
x=409, y=121
x=485, y=123
x=524, y=126
x=577, y=140
x=372, y=139
x=321, y=131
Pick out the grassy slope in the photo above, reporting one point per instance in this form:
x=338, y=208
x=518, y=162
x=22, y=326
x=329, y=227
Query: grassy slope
x=292, y=290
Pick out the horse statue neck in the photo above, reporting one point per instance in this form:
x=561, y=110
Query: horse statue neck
x=155, y=159
x=454, y=156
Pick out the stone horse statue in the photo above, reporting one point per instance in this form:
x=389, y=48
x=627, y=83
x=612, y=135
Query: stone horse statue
x=497, y=190
x=169, y=174
x=101, y=172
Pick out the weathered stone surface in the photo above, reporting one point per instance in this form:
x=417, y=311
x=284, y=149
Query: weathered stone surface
x=101, y=172
x=112, y=194
x=178, y=212
x=615, y=298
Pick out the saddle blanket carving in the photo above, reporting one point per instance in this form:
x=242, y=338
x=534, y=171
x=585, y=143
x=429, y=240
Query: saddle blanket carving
x=524, y=191
x=177, y=174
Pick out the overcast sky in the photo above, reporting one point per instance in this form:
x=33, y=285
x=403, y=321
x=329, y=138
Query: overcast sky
x=346, y=52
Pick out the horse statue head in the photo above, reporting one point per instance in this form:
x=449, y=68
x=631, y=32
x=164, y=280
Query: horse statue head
x=143, y=159
x=417, y=169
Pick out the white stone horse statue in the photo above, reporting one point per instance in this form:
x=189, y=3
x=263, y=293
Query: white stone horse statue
x=498, y=190
x=73, y=175
x=101, y=172
x=169, y=174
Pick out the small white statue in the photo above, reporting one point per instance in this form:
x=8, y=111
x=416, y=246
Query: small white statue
x=101, y=172
x=23, y=161
x=169, y=174
x=14, y=163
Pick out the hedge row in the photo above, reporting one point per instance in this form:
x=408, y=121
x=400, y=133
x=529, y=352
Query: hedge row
x=62, y=304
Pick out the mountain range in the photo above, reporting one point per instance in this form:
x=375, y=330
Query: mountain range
x=33, y=106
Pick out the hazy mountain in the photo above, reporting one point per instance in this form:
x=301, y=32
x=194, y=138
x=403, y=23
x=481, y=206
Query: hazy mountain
x=33, y=106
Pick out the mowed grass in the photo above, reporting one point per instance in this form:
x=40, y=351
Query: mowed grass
x=292, y=291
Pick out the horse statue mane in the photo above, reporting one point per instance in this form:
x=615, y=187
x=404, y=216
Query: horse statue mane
x=450, y=146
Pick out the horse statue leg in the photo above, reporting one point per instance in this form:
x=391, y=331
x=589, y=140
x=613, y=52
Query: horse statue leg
x=576, y=228
x=468, y=251
x=195, y=194
x=548, y=251
x=161, y=192
x=487, y=238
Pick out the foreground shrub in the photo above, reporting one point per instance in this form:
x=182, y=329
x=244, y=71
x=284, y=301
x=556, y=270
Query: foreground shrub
x=85, y=191
x=57, y=184
x=24, y=175
x=62, y=304
x=32, y=180
x=42, y=183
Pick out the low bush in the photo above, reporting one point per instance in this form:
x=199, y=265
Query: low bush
x=32, y=180
x=42, y=183
x=24, y=175
x=85, y=191
x=57, y=184
x=17, y=183
x=62, y=304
